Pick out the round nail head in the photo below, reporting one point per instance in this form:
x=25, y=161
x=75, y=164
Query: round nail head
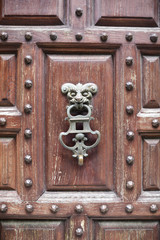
x=130, y=185
x=130, y=160
x=54, y=208
x=28, y=36
x=28, y=183
x=29, y=208
x=28, y=159
x=79, y=209
x=79, y=232
x=153, y=208
x=129, y=208
x=129, y=37
x=3, y=208
x=28, y=84
x=103, y=209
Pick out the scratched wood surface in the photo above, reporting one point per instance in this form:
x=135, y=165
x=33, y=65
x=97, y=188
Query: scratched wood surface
x=100, y=186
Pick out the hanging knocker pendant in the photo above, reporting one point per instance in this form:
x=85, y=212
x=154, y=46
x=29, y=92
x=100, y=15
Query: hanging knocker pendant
x=79, y=112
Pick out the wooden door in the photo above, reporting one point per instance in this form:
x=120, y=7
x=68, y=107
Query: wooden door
x=44, y=193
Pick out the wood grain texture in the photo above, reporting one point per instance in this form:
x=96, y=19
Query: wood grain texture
x=150, y=84
x=126, y=13
x=151, y=175
x=43, y=12
x=8, y=163
x=62, y=170
x=51, y=230
x=127, y=230
x=8, y=70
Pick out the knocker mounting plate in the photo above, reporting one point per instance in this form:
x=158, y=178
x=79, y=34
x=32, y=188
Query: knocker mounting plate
x=79, y=97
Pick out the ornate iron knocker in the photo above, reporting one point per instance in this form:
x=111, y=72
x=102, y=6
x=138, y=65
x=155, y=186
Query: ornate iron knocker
x=79, y=97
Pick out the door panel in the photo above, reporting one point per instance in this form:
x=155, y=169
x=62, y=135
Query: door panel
x=44, y=193
x=62, y=169
x=127, y=230
x=50, y=12
x=126, y=13
x=51, y=230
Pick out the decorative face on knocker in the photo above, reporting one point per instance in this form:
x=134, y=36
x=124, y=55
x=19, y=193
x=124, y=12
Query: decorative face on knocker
x=79, y=94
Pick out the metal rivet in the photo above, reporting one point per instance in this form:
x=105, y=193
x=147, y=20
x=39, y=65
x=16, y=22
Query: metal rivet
x=28, y=183
x=3, y=121
x=3, y=208
x=129, y=109
x=28, y=84
x=129, y=208
x=28, y=133
x=54, y=208
x=103, y=37
x=79, y=12
x=78, y=36
x=154, y=38
x=130, y=160
x=28, y=36
x=29, y=208
x=130, y=185
x=103, y=209
x=153, y=208
x=28, y=59
x=28, y=108
x=4, y=36
x=28, y=159
x=129, y=37
x=129, y=61
x=155, y=123
x=79, y=232
x=129, y=86
x=79, y=209
x=130, y=135
x=53, y=36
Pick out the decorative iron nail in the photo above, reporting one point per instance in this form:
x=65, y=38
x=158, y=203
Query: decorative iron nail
x=28, y=183
x=129, y=109
x=29, y=208
x=129, y=61
x=154, y=38
x=78, y=36
x=103, y=209
x=129, y=37
x=155, y=123
x=79, y=209
x=28, y=84
x=3, y=121
x=54, y=208
x=130, y=185
x=28, y=133
x=129, y=86
x=79, y=232
x=28, y=108
x=53, y=36
x=129, y=208
x=130, y=136
x=4, y=36
x=3, y=208
x=28, y=36
x=79, y=12
x=153, y=208
x=130, y=160
x=28, y=159
x=103, y=37
x=28, y=59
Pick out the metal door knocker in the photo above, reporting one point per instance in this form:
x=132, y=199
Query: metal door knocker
x=79, y=112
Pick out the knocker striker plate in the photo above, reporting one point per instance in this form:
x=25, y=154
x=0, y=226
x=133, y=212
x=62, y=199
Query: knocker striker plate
x=79, y=97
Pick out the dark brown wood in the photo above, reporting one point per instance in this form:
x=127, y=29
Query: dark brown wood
x=57, y=180
x=126, y=13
